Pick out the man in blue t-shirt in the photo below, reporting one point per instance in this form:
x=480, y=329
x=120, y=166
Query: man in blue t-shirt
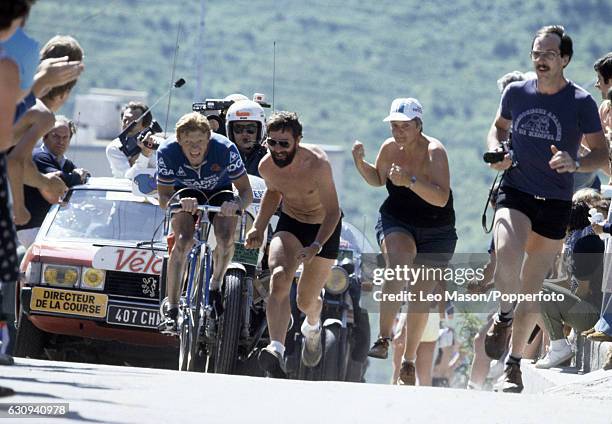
x=548, y=116
x=199, y=167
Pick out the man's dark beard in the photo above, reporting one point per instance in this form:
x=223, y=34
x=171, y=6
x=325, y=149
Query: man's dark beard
x=281, y=163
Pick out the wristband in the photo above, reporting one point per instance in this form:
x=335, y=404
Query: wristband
x=317, y=245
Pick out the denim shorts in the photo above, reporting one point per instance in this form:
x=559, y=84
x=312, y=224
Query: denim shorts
x=435, y=245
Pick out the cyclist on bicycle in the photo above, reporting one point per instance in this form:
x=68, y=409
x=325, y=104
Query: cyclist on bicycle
x=245, y=124
x=203, y=164
x=308, y=232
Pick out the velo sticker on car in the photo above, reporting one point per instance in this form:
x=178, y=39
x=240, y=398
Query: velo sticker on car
x=125, y=259
x=69, y=302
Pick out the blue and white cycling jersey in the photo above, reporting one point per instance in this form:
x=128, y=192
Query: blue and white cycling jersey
x=222, y=164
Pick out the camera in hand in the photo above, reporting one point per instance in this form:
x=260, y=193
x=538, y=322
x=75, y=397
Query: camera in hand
x=498, y=156
x=129, y=144
x=154, y=128
x=493, y=157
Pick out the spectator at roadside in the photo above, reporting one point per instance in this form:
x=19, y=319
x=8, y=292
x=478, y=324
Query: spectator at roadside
x=50, y=158
x=35, y=123
x=12, y=17
x=579, y=309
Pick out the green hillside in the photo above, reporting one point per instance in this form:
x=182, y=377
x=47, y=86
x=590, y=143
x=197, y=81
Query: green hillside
x=338, y=64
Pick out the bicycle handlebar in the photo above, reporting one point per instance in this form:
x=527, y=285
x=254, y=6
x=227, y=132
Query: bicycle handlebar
x=176, y=207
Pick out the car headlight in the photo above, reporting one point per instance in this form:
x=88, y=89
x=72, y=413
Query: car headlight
x=93, y=279
x=60, y=275
x=338, y=280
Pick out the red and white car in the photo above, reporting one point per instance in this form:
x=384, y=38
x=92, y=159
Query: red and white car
x=91, y=279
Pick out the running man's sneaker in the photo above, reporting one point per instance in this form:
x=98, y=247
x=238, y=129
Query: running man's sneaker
x=513, y=379
x=554, y=358
x=407, y=374
x=169, y=323
x=311, y=347
x=272, y=363
x=380, y=348
x=496, y=340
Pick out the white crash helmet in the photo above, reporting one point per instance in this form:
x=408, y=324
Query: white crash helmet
x=235, y=97
x=246, y=110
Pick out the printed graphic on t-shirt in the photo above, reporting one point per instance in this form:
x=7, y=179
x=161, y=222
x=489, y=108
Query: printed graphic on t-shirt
x=539, y=123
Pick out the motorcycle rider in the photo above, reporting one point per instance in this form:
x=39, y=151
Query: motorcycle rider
x=245, y=125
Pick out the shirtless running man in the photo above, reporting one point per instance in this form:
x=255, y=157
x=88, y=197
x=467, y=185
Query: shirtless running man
x=308, y=232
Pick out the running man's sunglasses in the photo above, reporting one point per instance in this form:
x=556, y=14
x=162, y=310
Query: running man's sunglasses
x=271, y=142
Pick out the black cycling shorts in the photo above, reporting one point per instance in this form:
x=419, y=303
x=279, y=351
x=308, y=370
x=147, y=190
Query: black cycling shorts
x=306, y=234
x=549, y=217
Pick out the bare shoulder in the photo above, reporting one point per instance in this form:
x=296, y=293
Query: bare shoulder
x=436, y=149
x=266, y=170
x=435, y=145
x=314, y=156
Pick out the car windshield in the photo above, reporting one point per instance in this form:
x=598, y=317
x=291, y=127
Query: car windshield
x=105, y=215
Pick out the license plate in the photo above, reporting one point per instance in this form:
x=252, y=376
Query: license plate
x=69, y=302
x=245, y=256
x=132, y=316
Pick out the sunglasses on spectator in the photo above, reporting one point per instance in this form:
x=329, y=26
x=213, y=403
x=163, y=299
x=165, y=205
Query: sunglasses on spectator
x=547, y=55
x=271, y=142
x=249, y=129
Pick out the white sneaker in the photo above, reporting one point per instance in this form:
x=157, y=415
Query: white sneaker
x=554, y=358
x=311, y=346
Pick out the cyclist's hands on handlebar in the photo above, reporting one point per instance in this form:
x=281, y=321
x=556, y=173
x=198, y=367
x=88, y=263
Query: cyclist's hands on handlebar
x=229, y=208
x=189, y=205
x=254, y=238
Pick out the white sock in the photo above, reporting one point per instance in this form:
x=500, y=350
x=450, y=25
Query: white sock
x=558, y=344
x=277, y=346
x=308, y=328
x=411, y=360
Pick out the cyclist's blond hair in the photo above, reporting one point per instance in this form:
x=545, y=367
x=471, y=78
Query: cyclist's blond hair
x=192, y=121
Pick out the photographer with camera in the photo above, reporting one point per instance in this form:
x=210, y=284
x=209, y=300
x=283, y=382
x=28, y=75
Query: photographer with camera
x=132, y=151
x=549, y=116
x=245, y=126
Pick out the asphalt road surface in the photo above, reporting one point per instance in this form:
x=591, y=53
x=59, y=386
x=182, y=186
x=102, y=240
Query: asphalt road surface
x=113, y=394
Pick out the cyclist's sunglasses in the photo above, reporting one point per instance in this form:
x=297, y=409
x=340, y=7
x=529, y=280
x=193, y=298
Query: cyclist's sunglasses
x=250, y=129
x=271, y=142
